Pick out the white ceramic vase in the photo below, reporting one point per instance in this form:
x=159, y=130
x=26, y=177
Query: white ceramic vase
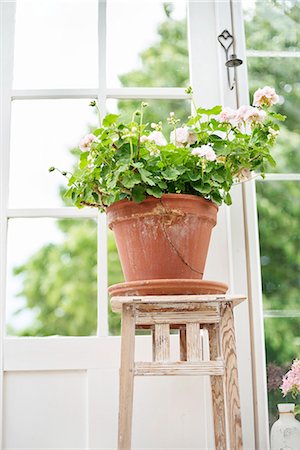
x=285, y=433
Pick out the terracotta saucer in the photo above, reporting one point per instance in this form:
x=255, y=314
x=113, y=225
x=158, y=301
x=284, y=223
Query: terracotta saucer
x=168, y=287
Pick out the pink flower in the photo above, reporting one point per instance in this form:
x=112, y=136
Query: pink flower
x=192, y=138
x=265, y=96
x=244, y=174
x=144, y=138
x=179, y=136
x=86, y=142
x=157, y=137
x=291, y=380
x=255, y=115
x=182, y=136
x=228, y=115
x=242, y=112
x=205, y=151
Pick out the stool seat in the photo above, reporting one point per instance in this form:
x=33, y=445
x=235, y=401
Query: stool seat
x=192, y=315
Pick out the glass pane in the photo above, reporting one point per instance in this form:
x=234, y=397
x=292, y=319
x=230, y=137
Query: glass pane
x=52, y=277
x=282, y=74
x=158, y=110
x=56, y=44
x=152, y=49
x=282, y=347
x=44, y=132
x=279, y=224
x=272, y=25
x=115, y=275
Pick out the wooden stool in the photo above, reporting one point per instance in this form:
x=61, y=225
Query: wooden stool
x=188, y=313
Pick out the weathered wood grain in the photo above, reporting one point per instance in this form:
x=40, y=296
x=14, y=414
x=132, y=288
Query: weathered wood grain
x=182, y=343
x=193, y=342
x=231, y=377
x=217, y=391
x=177, y=317
x=162, y=342
x=179, y=368
x=126, y=377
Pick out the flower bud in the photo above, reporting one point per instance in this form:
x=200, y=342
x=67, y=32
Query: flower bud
x=64, y=173
x=93, y=103
x=51, y=169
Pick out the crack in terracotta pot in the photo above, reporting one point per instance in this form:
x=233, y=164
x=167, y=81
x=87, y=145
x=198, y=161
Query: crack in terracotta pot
x=173, y=245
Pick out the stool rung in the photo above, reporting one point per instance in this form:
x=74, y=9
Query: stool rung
x=173, y=317
x=179, y=368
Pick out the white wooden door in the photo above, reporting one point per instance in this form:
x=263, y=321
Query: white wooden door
x=62, y=392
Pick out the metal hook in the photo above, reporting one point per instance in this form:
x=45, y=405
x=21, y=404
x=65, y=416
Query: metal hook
x=226, y=40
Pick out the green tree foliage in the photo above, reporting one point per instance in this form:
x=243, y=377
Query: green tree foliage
x=64, y=299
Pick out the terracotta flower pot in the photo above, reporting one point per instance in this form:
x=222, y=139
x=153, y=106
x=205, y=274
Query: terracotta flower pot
x=165, y=238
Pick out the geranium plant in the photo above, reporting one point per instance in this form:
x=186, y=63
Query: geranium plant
x=204, y=156
x=291, y=383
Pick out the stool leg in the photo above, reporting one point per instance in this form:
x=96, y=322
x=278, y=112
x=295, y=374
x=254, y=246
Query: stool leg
x=217, y=391
x=126, y=377
x=231, y=378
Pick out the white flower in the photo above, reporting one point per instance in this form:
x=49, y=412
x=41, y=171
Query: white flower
x=255, y=115
x=182, y=136
x=192, y=138
x=265, y=96
x=133, y=129
x=205, y=151
x=157, y=137
x=172, y=114
x=228, y=115
x=143, y=138
x=86, y=142
x=179, y=136
x=272, y=132
x=153, y=125
x=241, y=113
x=244, y=174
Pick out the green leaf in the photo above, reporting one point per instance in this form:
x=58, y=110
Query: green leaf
x=83, y=159
x=228, y=199
x=278, y=116
x=194, y=175
x=271, y=160
x=218, y=177
x=213, y=111
x=110, y=119
x=131, y=179
x=138, y=193
x=170, y=173
x=155, y=191
x=162, y=184
x=146, y=176
x=203, y=188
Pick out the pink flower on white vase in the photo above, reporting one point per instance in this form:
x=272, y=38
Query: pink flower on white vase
x=86, y=142
x=265, y=96
x=157, y=137
x=242, y=112
x=205, y=151
x=291, y=380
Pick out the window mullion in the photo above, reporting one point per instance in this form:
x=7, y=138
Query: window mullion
x=7, y=22
x=102, y=269
x=58, y=213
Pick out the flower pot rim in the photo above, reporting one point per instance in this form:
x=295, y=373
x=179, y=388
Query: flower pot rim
x=150, y=198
